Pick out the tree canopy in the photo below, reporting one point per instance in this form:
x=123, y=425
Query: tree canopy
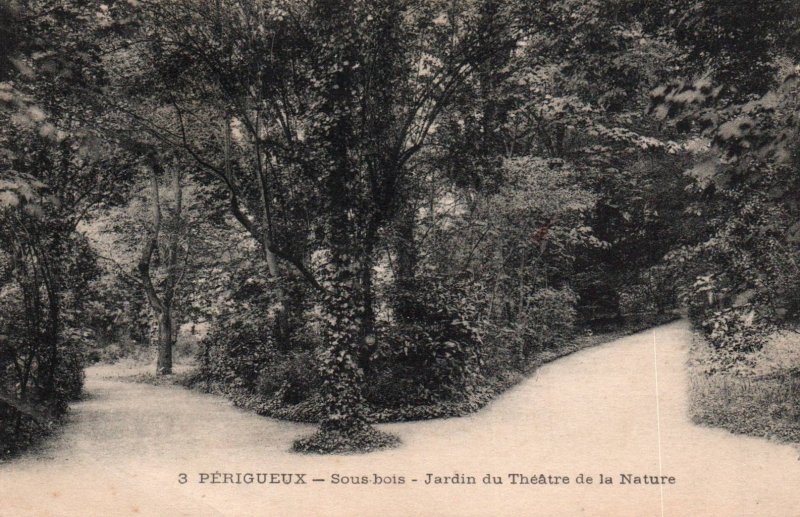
x=377, y=206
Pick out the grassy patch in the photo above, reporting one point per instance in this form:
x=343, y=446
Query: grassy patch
x=763, y=402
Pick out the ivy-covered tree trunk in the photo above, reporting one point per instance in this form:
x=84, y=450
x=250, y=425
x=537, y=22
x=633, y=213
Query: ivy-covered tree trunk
x=348, y=335
x=346, y=302
x=343, y=317
x=348, y=315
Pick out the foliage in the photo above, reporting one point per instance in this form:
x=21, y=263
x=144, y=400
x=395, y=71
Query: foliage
x=339, y=97
x=53, y=172
x=383, y=207
x=651, y=297
x=252, y=349
x=738, y=105
x=41, y=290
x=355, y=440
x=505, y=192
x=429, y=352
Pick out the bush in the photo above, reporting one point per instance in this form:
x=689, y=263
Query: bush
x=419, y=364
x=734, y=334
x=428, y=352
x=428, y=360
x=291, y=377
x=653, y=295
x=255, y=348
x=635, y=304
x=236, y=350
x=20, y=429
x=37, y=396
x=550, y=319
x=186, y=345
x=733, y=325
x=266, y=361
x=547, y=322
x=69, y=373
x=27, y=417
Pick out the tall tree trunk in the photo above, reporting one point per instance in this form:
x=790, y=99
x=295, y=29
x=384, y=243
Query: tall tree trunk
x=343, y=376
x=347, y=310
x=163, y=305
x=349, y=336
x=166, y=342
x=262, y=232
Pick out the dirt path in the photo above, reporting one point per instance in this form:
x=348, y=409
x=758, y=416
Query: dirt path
x=593, y=412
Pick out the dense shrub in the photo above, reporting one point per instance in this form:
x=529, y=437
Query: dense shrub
x=547, y=322
x=599, y=298
x=291, y=377
x=426, y=352
x=636, y=304
x=255, y=348
x=27, y=415
x=123, y=348
x=733, y=335
x=732, y=324
x=419, y=363
x=19, y=429
x=550, y=319
x=236, y=350
x=429, y=351
x=69, y=374
x=41, y=361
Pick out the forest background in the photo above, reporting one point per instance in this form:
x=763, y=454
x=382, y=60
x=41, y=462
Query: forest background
x=374, y=210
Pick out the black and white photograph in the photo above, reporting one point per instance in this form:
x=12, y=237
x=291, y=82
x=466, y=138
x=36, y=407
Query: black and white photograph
x=436, y=258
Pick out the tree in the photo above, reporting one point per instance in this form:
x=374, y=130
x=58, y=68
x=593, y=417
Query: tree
x=172, y=257
x=326, y=103
x=53, y=172
x=574, y=92
x=739, y=104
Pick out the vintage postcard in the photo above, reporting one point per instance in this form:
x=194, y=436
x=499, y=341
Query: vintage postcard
x=399, y=257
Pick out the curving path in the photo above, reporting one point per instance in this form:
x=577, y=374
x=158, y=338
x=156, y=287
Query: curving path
x=593, y=412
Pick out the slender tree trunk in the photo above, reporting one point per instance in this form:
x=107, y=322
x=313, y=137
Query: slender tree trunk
x=162, y=304
x=166, y=342
x=262, y=232
x=266, y=217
